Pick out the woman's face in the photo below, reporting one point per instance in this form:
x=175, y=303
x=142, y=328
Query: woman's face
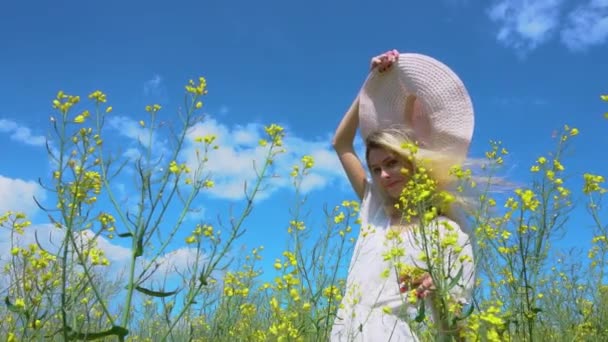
x=386, y=171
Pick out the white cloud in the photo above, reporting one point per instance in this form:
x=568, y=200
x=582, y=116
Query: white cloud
x=131, y=129
x=525, y=24
x=21, y=133
x=587, y=26
x=248, y=135
x=153, y=86
x=177, y=261
x=18, y=195
x=231, y=165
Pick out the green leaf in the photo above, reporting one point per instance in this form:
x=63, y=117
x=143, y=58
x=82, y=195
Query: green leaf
x=124, y=235
x=139, y=250
x=116, y=330
x=456, y=279
x=421, y=312
x=12, y=307
x=203, y=280
x=155, y=293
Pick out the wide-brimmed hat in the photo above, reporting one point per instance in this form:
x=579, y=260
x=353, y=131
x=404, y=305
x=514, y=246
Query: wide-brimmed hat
x=439, y=109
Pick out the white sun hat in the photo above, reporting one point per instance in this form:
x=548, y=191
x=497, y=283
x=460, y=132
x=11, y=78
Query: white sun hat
x=440, y=111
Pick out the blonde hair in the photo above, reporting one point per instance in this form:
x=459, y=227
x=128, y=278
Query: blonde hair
x=437, y=164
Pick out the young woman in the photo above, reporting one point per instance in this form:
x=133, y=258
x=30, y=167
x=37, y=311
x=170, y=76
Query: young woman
x=375, y=306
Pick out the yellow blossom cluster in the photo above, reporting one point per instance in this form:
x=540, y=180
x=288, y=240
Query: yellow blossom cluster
x=177, y=169
x=36, y=273
x=204, y=230
x=153, y=109
x=96, y=256
x=296, y=225
x=98, y=96
x=497, y=152
x=275, y=134
x=343, y=215
x=207, y=139
x=307, y=163
x=237, y=283
x=485, y=325
x=63, y=102
x=84, y=189
x=197, y=89
x=15, y=221
x=593, y=184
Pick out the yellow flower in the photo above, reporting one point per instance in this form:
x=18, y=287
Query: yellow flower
x=592, y=183
x=98, y=96
x=298, y=225
x=109, y=109
x=173, y=167
x=339, y=218
x=557, y=165
x=308, y=162
x=153, y=108
x=491, y=317
x=276, y=134
x=197, y=89
x=208, y=139
x=79, y=119
x=19, y=303
x=528, y=198
x=199, y=105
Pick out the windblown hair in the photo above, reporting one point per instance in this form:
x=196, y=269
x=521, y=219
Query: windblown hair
x=437, y=164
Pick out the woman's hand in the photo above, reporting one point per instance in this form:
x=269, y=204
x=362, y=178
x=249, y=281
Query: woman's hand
x=423, y=284
x=384, y=61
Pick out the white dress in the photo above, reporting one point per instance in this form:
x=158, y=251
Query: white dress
x=362, y=315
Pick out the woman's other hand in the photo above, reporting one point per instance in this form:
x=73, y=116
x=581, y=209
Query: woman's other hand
x=384, y=61
x=425, y=286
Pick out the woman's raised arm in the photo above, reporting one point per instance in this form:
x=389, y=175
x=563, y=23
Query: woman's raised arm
x=343, y=143
x=345, y=133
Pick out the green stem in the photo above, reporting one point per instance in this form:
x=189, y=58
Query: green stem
x=234, y=234
x=140, y=230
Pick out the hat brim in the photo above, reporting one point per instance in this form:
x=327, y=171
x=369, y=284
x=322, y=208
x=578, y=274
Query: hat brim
x=443, y=117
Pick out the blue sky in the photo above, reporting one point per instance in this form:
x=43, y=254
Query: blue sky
x=530, y=68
